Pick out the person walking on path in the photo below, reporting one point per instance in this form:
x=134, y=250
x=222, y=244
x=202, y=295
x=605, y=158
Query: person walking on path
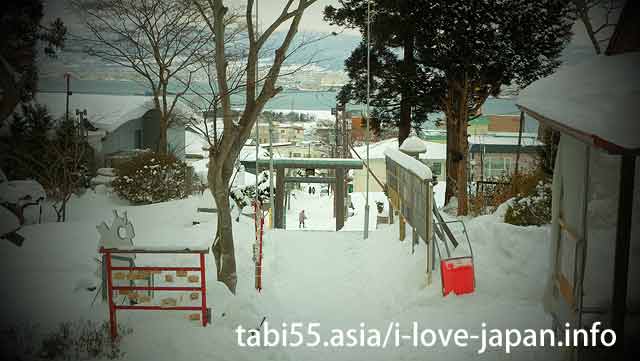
x=301, y=218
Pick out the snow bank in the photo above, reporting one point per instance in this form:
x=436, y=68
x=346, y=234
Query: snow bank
x=8, y=221
x=16, y=190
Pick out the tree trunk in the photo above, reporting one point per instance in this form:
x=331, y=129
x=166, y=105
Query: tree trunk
x=461, y=145
x=450, y=175
x=162, y=140
x=457, y=113
x=463, y=149
x=219, y=177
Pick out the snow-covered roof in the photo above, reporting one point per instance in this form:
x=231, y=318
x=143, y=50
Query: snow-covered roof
x=504, y=139
x=376, y=150
x=107, y=112
x=596, y=99
x=276, y=144
x=248, y=153
x=288, y=125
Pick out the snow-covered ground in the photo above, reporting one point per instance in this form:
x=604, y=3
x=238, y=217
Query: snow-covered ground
x=335, y=278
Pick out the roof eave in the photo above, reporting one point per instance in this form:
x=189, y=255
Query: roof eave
x=590, y=139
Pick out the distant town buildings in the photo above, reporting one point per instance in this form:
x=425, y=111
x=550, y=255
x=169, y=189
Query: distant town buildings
x=280, y=132
x=493, y=155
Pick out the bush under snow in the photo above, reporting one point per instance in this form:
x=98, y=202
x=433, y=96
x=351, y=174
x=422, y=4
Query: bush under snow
x=151, y=178
x=531, y=209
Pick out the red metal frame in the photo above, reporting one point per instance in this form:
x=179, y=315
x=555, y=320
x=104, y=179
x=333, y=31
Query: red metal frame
x=110, y=287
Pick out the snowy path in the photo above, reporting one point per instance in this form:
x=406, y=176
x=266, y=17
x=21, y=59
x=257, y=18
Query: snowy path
x=319, y=210
x=341, y=280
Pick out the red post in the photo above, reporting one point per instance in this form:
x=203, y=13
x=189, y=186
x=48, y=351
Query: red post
x=260, y=252
x=112, y=308
x=203, y=286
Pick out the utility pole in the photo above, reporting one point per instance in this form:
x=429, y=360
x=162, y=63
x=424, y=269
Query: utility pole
x=270, y=172
x=255, y=85
x=515, y=174
x=258, y=207
x=335, y=171
x=67, y=76
x=366, y=204
x=345, y=132
x=337, y=131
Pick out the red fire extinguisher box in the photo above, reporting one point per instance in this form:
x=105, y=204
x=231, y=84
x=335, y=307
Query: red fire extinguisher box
x=457, y=275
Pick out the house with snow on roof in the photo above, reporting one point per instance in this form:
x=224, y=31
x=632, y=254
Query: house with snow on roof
x=594, y=263
x=493, y=155
x=121, y=124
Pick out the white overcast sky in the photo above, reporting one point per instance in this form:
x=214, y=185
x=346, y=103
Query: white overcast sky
x=268, y=11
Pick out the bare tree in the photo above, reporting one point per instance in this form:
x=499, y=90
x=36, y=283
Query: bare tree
x=66, y=171
x=597, y=16
x=257, y=89
x=159, y=40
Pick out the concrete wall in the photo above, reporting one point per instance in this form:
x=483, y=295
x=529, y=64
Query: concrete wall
x=360, y=176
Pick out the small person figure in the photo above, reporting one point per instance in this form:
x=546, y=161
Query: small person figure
x=301, y=218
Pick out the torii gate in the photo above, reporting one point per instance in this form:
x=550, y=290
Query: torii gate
x=340, y=165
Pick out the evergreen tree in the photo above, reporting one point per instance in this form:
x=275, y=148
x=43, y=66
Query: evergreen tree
x=21, y=37
x=450, y=56
x=479, y=47
x=52, y=152
x=398, y=95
